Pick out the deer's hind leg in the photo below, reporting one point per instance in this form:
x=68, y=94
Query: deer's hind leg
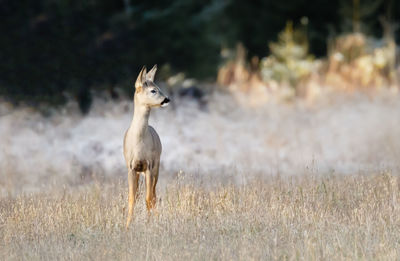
x=151, y=182
x=133, y=179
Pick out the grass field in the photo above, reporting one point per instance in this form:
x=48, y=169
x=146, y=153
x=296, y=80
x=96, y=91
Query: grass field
x=337, y=217
x=280, y=182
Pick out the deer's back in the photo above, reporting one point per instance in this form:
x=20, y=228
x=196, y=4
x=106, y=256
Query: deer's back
x=156, y=140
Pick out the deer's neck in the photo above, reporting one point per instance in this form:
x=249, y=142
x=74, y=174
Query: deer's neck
x=140, y=120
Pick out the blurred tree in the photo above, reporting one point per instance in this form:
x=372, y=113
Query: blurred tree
x=49, y=47
x=289, y=61
x=359, y=15
x=258, y=22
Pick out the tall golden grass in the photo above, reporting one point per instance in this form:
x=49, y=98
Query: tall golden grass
x=335, y=217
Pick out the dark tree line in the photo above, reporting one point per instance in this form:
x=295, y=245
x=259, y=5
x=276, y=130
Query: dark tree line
x=48, y=47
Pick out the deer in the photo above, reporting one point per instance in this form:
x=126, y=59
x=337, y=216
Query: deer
x=142, y=145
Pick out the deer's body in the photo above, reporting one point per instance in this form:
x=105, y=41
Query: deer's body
x=142, y=145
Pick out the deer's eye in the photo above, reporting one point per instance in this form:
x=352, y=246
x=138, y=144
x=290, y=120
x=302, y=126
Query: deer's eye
x=153, y=91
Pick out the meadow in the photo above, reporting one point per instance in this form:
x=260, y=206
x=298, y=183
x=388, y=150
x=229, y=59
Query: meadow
x=304, y=218
x=279, y=182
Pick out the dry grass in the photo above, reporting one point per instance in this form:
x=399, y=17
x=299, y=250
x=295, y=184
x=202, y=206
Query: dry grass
x=300, y=218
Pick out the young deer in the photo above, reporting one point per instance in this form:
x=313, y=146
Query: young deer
x=142, y=146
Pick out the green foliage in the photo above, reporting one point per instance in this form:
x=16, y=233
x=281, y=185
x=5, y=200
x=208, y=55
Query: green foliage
x=359, y=16
x=50, y=47
x=256, y=23
x=289, y=60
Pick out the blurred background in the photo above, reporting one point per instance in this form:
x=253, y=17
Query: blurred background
x=50, y=48
x=298, y=86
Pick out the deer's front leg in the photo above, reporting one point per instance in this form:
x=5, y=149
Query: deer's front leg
x=133, y=179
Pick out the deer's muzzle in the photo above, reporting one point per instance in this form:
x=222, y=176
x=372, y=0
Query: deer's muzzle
x=165, y=102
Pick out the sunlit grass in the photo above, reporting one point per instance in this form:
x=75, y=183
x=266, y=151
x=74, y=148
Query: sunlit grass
x=307, y=217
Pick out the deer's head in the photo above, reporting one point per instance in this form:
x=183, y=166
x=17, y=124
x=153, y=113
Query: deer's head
x=147, y=92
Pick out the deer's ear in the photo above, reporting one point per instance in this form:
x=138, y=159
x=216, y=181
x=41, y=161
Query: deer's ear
x=141, y=79
x=150, y=75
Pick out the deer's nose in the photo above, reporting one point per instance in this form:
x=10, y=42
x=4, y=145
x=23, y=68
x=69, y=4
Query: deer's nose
x=165, y=102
